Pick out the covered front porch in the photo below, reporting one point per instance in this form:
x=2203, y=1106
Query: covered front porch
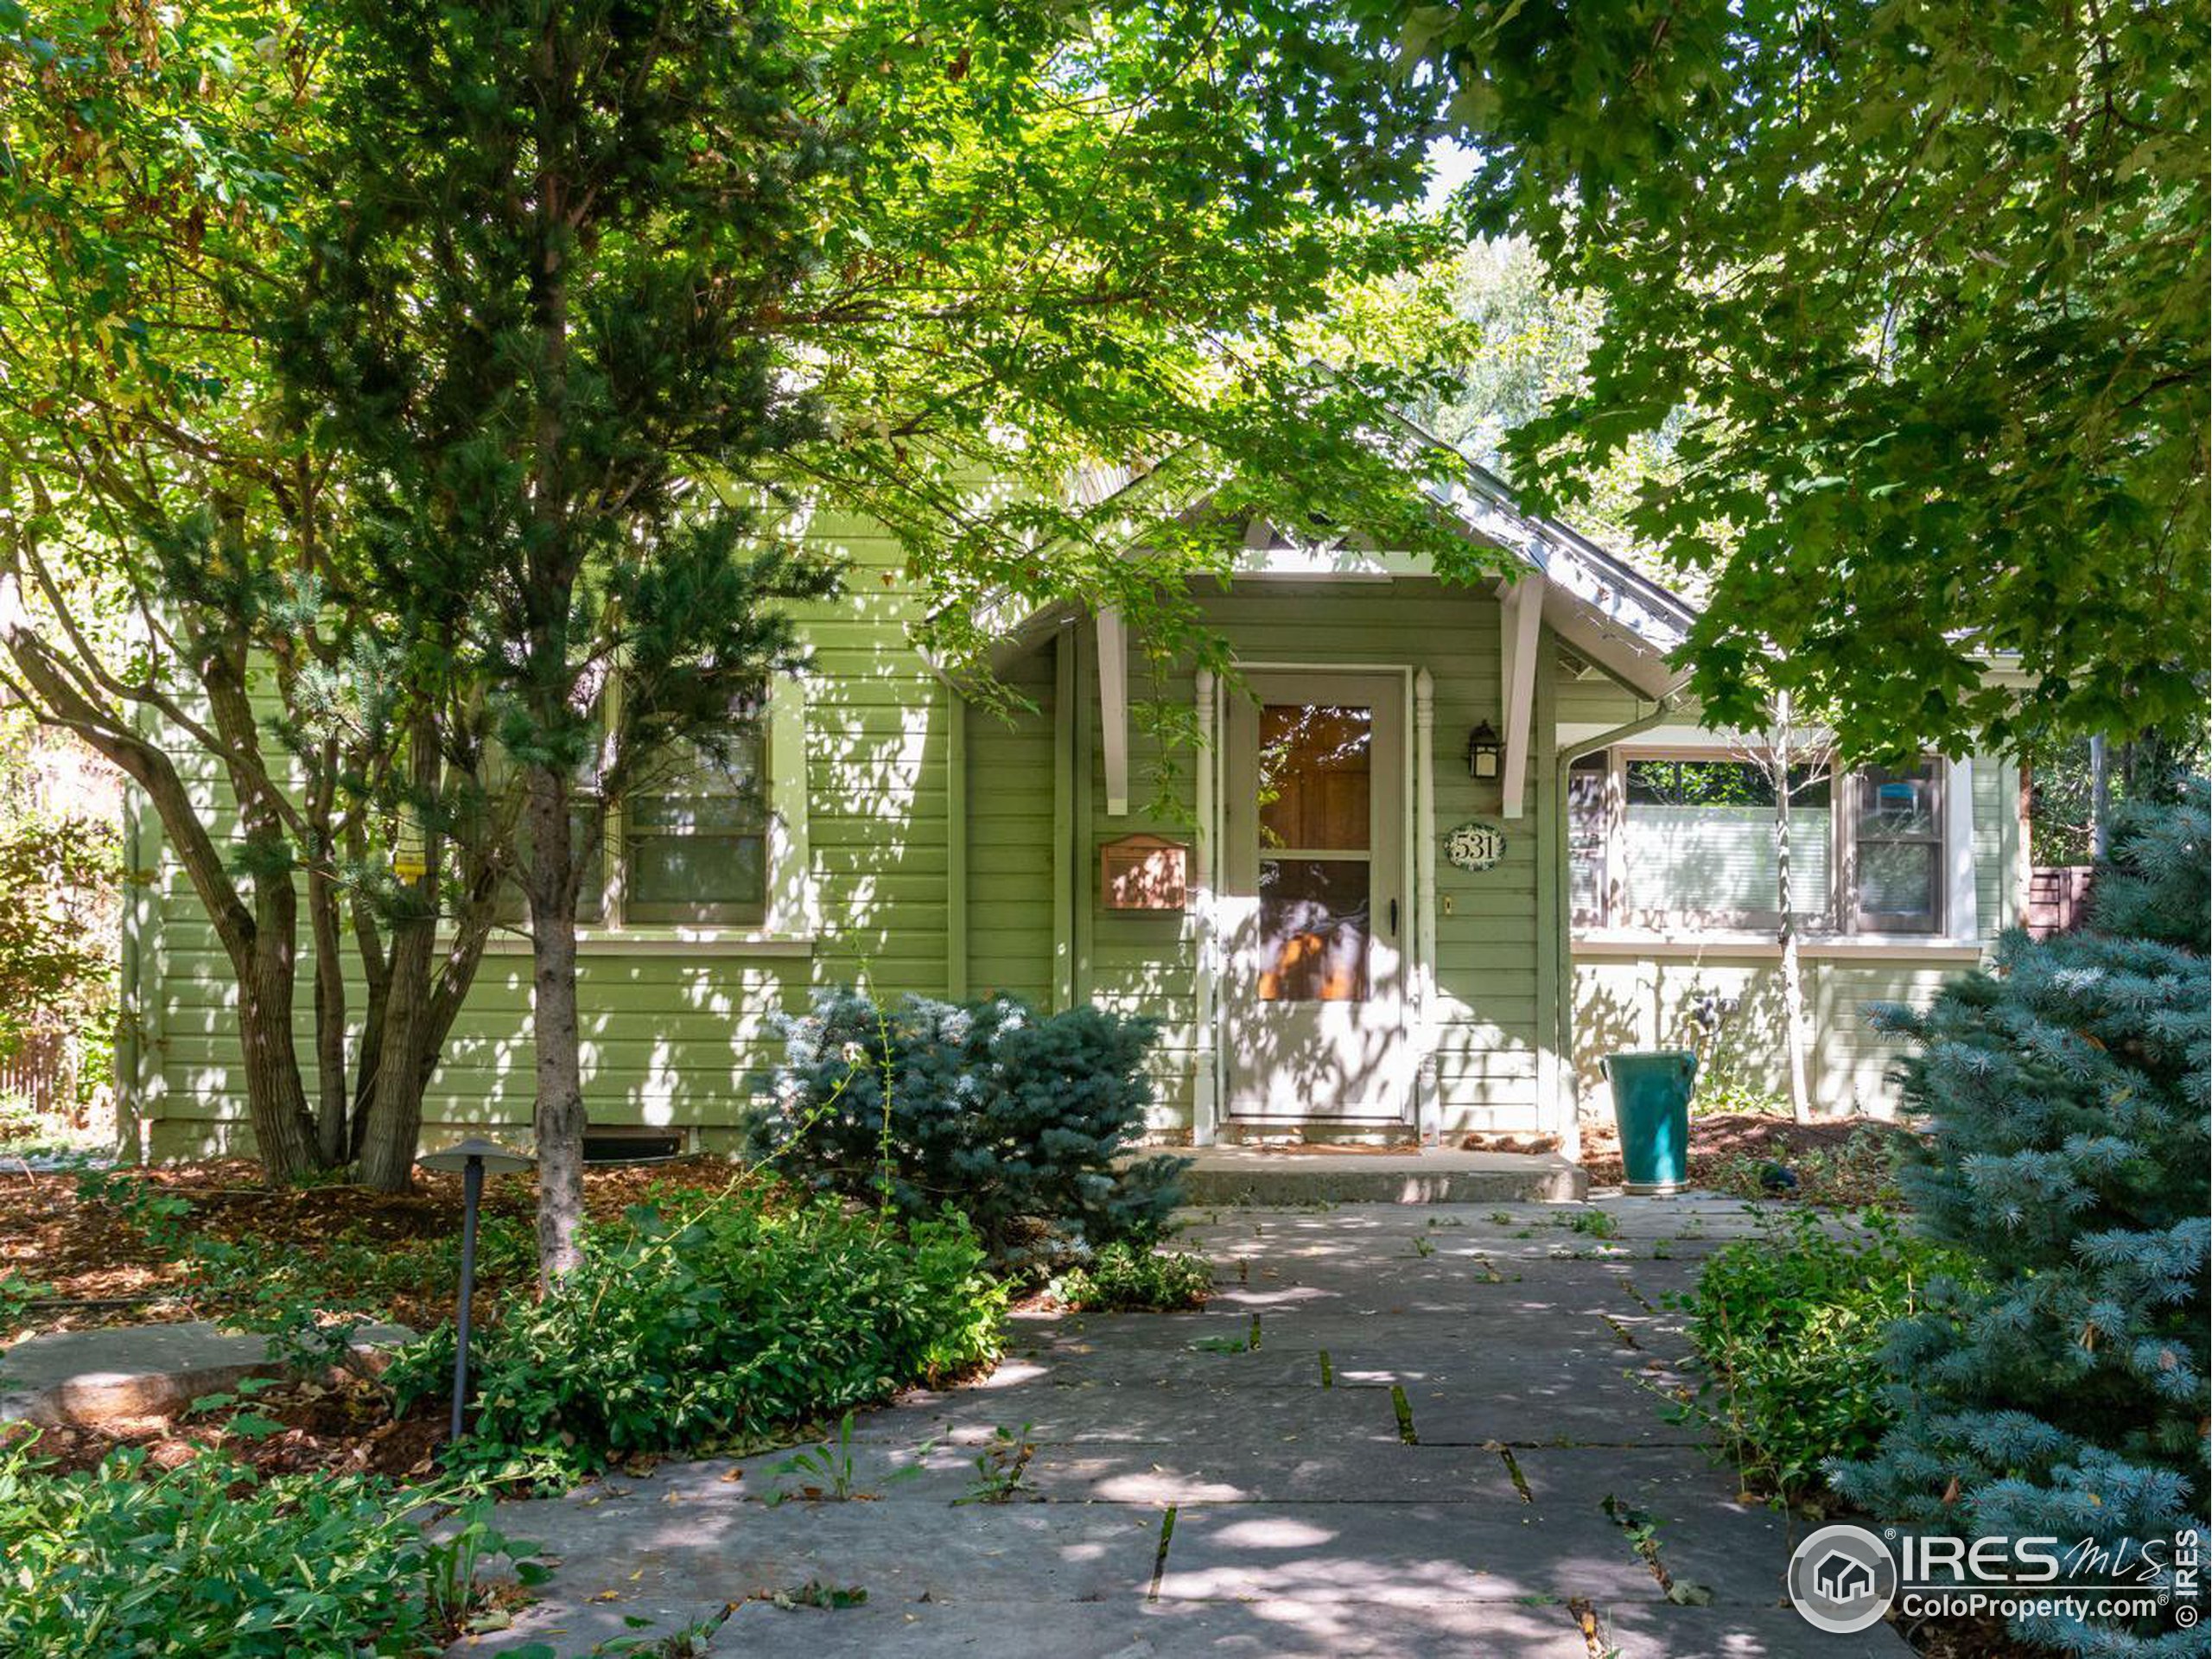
x=1335, y=870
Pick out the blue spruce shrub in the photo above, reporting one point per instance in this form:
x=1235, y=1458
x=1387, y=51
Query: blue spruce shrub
x=1015, y=1118
x=2067, y=1096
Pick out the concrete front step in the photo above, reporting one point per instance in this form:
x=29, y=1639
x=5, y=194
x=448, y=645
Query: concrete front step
x=1255, y=1176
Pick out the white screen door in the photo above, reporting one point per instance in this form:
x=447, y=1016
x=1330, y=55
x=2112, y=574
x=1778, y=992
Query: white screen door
x=1314, y=898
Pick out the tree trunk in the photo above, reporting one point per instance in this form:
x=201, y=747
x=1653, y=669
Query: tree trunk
x=277, y=1100
x=1794, y=1022
x=394, y=1130
x=392, y=1127
x=1793, y=984
x=2099, y=800
x=331, y=1100
x=560, y=1117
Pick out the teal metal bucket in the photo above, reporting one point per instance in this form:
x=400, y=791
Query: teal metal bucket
x=1651, y=1102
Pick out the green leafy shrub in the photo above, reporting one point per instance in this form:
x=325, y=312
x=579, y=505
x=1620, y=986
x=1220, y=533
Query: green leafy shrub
x=1721, y=1096
x=1791, y=1328
x=684, y=1334
x=2066, y=1095
x=208, y=1561
x=1016, y=1118
x=1124, y=1278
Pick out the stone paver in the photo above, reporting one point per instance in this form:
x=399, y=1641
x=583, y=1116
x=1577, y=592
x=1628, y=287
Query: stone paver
x=1191, y=1494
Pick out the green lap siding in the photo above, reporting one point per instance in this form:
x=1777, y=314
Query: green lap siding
x=672, y=1033
x=960, y=853
x=1009, y=838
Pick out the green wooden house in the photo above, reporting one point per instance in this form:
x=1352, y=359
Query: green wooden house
x=1440, y=847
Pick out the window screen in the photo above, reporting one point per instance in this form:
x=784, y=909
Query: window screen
x=694, y=843
x=1899, y=849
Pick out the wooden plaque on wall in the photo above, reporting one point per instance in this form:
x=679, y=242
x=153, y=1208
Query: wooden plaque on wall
x=1144, y=873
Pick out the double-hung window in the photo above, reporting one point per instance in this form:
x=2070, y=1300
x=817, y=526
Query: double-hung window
x=688, y=843
x=695, y=839
x=1898, y=849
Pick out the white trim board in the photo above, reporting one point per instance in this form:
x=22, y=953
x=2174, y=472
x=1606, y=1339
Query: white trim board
x=1865, y=948
x=1521, y=621
x=1675, y=735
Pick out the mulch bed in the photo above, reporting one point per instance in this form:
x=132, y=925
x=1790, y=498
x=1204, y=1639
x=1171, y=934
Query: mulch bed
x=103, y=1269
x=341, y=1427
x=1719, y=1140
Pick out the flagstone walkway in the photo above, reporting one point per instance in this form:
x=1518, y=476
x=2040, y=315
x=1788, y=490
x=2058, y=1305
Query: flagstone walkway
x=1408, y=1430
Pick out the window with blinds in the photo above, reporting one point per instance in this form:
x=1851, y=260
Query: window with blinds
x=1697, y=845
x=1662, y=843
x=694, y=843
x=1665, y=843
x=689, y=843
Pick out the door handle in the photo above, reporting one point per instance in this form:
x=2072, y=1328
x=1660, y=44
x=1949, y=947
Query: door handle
x=1394, y=919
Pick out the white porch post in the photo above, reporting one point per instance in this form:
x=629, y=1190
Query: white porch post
x=1113, y=710
x=1520, y=617
x=1428, y=1086
x=1961, y=917
x=1205, y=1107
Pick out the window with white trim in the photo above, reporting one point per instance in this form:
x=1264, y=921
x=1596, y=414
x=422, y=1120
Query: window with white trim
x=695, y=834
x=1683, y=840
x=691, y=844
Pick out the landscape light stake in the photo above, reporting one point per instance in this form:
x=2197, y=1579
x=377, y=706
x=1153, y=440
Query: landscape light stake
x=471, y=1157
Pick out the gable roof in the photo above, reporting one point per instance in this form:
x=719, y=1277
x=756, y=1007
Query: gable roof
x=1603, y=607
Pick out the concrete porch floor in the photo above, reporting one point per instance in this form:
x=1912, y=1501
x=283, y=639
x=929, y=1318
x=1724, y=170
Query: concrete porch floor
x=1258, y=1175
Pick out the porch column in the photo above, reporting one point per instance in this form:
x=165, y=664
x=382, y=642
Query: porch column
x=1113, y=710
x=1428, y=1091
x=1205, y=1100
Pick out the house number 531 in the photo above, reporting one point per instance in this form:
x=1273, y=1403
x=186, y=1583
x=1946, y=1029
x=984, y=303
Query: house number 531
x=1475, y=846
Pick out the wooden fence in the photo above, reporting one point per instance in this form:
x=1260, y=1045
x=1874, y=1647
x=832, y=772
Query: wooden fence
x=42, y=1071
x=2058, y=898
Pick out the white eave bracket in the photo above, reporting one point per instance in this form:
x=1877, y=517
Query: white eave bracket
x=1113, y=710
x=1521, y=618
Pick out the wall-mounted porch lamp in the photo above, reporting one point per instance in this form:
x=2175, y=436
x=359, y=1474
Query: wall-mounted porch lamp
x=1483, y=752
x=471, y=1157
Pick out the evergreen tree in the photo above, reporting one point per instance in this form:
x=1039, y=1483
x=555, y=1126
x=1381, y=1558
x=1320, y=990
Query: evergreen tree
x=2067, y=1094
x=608, y=287
x=531, y=329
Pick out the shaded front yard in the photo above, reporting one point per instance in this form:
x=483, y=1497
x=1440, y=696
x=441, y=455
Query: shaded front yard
x=211, y=1241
